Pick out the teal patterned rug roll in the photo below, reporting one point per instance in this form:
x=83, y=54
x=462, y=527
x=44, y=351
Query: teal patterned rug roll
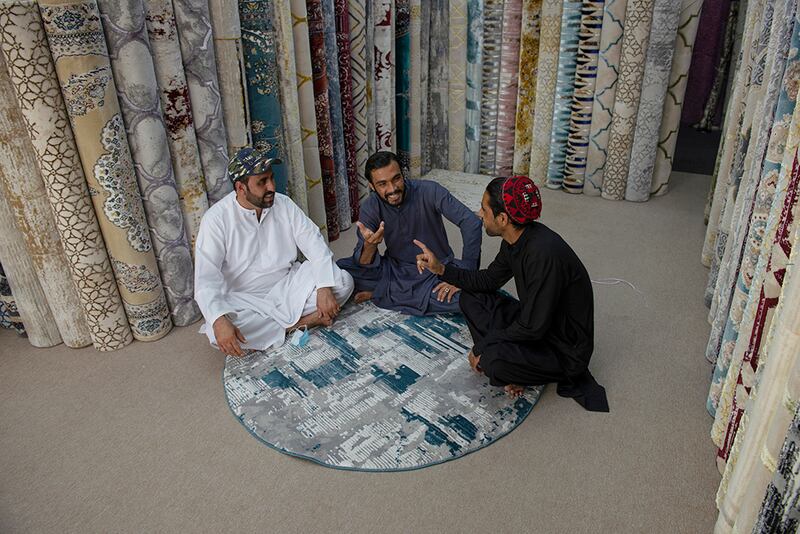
x=565, y=86
x=263, y=85
x=472, y=114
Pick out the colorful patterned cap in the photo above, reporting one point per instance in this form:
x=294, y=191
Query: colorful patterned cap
x=249, y=161
x=522, y=199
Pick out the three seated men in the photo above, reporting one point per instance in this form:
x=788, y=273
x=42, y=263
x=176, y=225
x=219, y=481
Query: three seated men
x=252, y=289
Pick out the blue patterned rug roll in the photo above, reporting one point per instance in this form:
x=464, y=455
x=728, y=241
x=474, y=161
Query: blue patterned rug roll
x=263, y=83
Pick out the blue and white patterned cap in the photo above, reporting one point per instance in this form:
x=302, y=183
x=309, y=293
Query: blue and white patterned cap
x=249, y=161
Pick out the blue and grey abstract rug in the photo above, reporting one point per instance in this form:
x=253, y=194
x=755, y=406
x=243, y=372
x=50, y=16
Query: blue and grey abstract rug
x=380, y=391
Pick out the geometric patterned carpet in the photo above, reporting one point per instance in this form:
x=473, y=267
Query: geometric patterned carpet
x=380, y=391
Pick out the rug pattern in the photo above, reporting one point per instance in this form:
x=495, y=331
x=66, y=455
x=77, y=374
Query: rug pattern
x=380, y=391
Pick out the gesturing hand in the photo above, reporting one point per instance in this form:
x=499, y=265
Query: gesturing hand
x=427, y=260
x=228, y=337
x=371, y=239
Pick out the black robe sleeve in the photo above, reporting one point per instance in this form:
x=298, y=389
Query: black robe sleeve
x=483, y=281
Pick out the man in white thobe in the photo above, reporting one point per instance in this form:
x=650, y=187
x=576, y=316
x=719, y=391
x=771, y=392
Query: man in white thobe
x=249, y=284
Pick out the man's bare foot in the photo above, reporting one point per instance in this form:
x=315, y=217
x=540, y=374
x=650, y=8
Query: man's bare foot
x=310, y=321
x=362, y=296
x=474, y=362
x=514, y=391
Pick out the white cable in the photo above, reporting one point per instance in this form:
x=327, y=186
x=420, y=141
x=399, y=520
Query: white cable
x=617, y=281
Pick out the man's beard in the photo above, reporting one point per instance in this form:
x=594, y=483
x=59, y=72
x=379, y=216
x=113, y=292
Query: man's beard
x=402, y=193
x=260, y=202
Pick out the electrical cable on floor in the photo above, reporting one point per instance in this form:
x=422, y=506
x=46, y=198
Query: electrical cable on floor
x=617, y=281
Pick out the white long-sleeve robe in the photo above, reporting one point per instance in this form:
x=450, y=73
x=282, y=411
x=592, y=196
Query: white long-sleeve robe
x=247, y=268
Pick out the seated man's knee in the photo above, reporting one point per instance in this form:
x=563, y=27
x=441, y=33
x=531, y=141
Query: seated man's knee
x=466, y=299
x=345, y=286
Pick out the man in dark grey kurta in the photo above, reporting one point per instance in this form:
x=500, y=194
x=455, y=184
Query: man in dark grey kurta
x=397, y=212
x=548, y=334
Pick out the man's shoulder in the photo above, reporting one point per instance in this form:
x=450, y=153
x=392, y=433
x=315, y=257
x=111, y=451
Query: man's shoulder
x=220, y=208
x=550, y=243
x=429, y=186
x=284, y=201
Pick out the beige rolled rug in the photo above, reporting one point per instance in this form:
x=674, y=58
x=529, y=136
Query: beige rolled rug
x=635, y=40
x=290, y=110
x=457, y=83
x=24, y=193
x=17, y=164
x=549, y=41
x=308, y=120
x=605, y=91
x=84, y=72
x=528, y=73
x=31, y=302
x=32, y=73
x=230, y=69
x=673, y=105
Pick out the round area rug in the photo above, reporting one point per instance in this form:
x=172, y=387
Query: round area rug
x=379, y=391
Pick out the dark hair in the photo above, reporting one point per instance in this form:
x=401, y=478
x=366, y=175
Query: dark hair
x=496, y=204
x=379, y=160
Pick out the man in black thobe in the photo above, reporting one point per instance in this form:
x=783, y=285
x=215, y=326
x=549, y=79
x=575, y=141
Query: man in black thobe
x=546, y=336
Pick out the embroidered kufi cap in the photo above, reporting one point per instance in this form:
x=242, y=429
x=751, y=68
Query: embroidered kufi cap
x=522, y=199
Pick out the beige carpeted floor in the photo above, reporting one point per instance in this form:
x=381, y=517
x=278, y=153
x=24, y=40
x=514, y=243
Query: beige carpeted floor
x=142, y=440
